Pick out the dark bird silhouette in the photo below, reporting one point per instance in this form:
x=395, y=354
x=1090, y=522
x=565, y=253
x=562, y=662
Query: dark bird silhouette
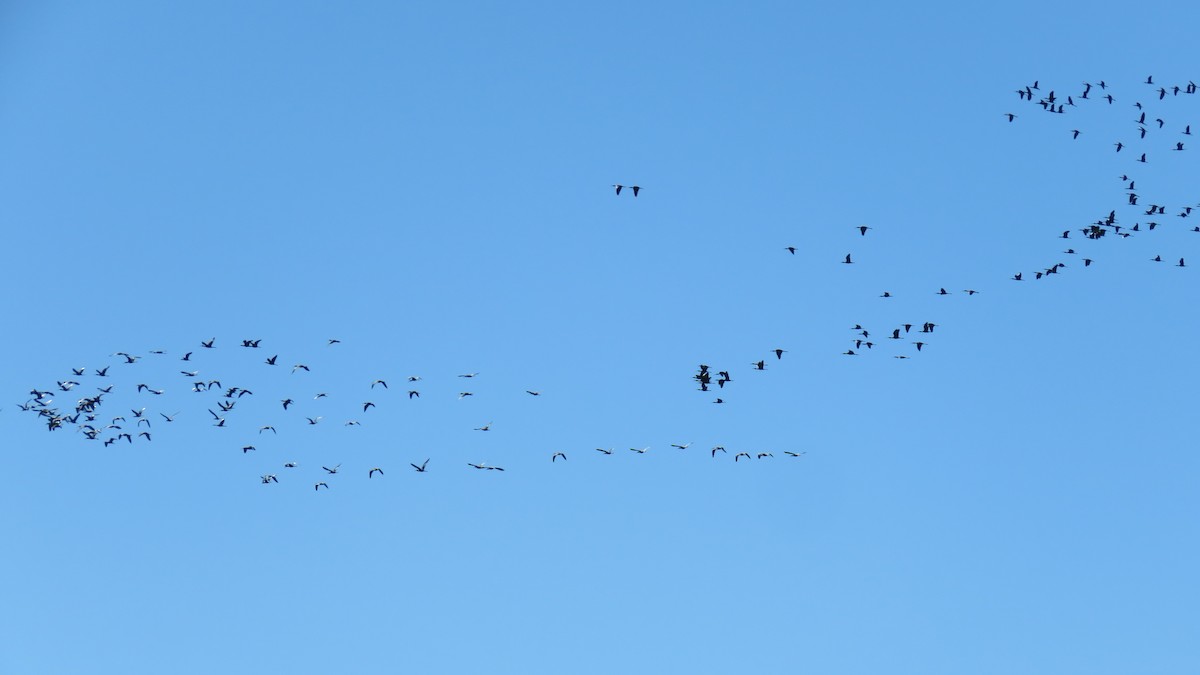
x=1074, y=134
x=372, y=472
x=271, y=360
x=556, y=455
x=779, y=353
x=862, y=230
x=847, y=261
x=320, y=485
x=1010, y=116
x=208, y=344
x=333, y=470
x=791, y=249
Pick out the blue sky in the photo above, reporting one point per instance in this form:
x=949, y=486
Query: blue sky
x=430, y=184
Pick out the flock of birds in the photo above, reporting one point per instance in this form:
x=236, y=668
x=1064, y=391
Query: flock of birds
x=138, y=426
x=223, y=401
x=1144, y=126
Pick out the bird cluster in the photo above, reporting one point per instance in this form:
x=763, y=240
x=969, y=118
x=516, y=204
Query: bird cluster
x=1148, y=123
x=224, y=403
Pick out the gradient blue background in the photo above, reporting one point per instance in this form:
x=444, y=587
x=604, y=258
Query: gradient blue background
x=430, y=184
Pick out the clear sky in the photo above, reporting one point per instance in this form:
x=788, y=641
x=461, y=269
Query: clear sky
x=431, y=184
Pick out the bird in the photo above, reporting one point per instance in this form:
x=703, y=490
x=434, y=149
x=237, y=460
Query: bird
x=169, y=418
x=943, y=292
x=414, y=393
x=556, y=455
x=794, y=454
x=685, y=446
x=268, y=427
x=333, y=470
x=420, y=469
x=464, y=394
x=790, y=249
x=533, y=393
x=486, y=427
x=970, y=291
x=300, y=366
x=1017, y=276
x=741, y=455
x=248, y=448
x=271, y=360
x=320, y=485
x=642, y=451
x=208, y=344
x=1181, y=263
x=333, y=341
x=379, y=382
x=847, y=261
x=367, y=404
x=759, y=365
x=484, y=466
x=371, y=473
x=286, y=402
x=607, y=452
x=313, y=420
x=268, y=477
x=618, y=187
x=636, y=189
x=862, y=230
x=469, y=375
x=1074, y=134
x=779, y=353
x=1010, y=116
x=719, y=448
